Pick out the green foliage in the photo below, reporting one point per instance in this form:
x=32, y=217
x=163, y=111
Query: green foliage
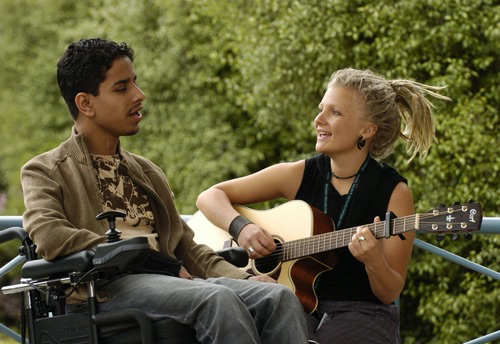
x=233, y=86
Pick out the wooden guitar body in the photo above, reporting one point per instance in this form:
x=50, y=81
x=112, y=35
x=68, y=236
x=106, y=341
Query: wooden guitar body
x=287, y=222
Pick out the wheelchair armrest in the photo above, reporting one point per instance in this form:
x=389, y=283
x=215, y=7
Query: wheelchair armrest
x=12, y=233
x=121, y=255
x=75, y=262
x=234, y=255
x=84, y=260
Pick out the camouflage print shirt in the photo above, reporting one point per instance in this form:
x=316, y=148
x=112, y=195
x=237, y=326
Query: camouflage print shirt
x=120, y=193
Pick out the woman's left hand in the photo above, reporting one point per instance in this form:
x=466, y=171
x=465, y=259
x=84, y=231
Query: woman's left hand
x=364, y=246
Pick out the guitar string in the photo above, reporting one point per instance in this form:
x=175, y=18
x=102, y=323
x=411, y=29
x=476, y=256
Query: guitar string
x=304, y=244
x=404, y=220
x=299, y=244
x=297, y=248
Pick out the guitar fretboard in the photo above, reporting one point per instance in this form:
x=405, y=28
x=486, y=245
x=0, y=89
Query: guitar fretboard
x=329, y=241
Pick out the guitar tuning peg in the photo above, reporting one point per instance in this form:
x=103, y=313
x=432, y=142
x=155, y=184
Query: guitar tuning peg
x=454, y=236
x=439, y=237
x=456, y=203
x=470, y=201
x=468, y=236
x=441, y=205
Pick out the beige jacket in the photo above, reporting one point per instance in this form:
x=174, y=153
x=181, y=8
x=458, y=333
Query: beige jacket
x=62, y=201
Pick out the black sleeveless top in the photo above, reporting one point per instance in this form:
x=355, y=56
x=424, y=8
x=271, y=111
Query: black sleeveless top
x=348, y=280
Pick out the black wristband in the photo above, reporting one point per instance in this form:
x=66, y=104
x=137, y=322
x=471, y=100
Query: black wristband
x=237, y=225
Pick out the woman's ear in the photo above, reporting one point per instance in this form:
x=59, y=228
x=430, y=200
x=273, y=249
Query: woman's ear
x=84, y=104
x=369, y=131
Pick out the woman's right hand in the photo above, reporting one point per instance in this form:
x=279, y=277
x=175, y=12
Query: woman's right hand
x=256, y=241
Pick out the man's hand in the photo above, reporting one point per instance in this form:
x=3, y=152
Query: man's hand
x=183, y=273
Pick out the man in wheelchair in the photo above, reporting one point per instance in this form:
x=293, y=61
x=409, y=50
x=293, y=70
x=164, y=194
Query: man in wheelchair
x=90, y=173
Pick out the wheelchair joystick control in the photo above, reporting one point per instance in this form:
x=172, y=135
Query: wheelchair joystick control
x=117, y=254
x=113, y=234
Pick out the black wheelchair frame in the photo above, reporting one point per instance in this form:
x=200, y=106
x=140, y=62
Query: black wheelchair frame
x=44, y=286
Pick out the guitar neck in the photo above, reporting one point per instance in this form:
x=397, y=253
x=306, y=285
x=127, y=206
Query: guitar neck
x=332, y=240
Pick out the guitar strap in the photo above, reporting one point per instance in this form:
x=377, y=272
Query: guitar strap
x=353, y=188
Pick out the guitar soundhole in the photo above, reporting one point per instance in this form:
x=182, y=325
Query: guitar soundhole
x=269, y=263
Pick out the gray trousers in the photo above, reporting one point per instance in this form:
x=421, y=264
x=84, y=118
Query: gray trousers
x=221, y=310
x=353, y=322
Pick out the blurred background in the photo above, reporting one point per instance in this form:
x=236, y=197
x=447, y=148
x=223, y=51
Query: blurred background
x=233, y=86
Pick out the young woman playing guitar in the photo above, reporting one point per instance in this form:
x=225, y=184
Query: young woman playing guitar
x=360, y=118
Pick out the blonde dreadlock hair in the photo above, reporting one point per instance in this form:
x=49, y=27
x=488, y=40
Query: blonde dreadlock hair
x=389, y=102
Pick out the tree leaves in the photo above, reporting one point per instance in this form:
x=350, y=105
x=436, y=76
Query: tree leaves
x=233, y=86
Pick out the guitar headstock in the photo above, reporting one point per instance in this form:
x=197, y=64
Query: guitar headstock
x=454, y=219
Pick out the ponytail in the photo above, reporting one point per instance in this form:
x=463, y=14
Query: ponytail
x=416, y=112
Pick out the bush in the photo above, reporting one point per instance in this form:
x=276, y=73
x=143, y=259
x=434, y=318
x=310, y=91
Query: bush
x=233, y=86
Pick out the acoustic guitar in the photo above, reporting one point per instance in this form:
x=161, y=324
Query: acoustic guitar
x=306, y=239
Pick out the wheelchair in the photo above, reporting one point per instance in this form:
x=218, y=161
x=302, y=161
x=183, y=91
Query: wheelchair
x=44, y=287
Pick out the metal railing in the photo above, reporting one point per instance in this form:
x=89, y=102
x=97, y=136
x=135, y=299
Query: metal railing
x=489, y=225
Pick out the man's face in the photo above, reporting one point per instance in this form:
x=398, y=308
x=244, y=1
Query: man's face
x=118, y=105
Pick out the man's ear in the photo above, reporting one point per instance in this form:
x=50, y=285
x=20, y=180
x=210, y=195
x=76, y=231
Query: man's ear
x=84, y=104
x=369, y=131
